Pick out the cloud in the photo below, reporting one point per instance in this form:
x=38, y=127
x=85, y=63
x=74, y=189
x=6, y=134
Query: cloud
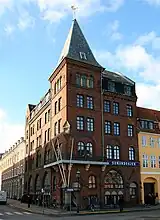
x=56, y=10
x=9, y=133
x=113, y=32
x=149, y=38
x=142, y=63
x=9, y=29
x=153, y=2
x=5, y=4
x=25, y=21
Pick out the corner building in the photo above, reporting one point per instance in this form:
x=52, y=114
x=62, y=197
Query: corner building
x=92, y=149
x=149, y=151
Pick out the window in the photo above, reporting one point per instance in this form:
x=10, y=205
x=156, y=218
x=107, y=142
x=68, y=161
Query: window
x=144, y=141
x=116, y=152
x=80, y=101
x=80, y=148
x=83, y=55
x=107, y=106
x=107, y=127
x=145, y=160
x=83, y=81
x=90, y=82
x=78, y=80
x=111, y=86
x=109, y=152
x=129, y=111
x=90, y=124
x=127, y=90
x=89, y=149
x=59, y=126
x=116, y=128
x=48, y=134
x=59, y=103
x=89, y=102
x=153, y=161
x=147, y=124
x=80, y=123
x=58, y=85
x=56, y=128
x=150, y=124
x=55, y=107
x=92, y=182
x=131, y=153
x=158, y=141
x=152, y=142
x=130, y=130
x=159, y=162
x=115, y=108
x=45, y=138
x=49, y=111
x=45, y=117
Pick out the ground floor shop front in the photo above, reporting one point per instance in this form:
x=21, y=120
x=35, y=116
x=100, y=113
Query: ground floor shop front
x=84, y=185
x=150, y=185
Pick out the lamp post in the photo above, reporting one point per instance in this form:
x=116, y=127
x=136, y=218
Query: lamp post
x=78, y=188
x=43, y=199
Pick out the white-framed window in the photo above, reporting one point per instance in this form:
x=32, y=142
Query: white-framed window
x=144, y=141
x=153, y=161
x=145, y=160
x=159, y=162
x=109, y=152
x=83, y=55
x=152, y=142
x=158, y=142
x=131, y=153
x=116, y=152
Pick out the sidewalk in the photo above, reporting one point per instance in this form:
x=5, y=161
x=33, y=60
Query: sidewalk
x=59, y=212
x=38, y=210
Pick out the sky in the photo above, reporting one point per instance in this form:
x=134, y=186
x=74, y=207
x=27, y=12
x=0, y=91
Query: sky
x=123, y=34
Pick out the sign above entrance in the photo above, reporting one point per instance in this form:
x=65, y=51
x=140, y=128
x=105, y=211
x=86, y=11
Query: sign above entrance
x=123, y=163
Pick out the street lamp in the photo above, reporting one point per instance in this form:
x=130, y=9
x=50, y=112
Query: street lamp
x=78, y=188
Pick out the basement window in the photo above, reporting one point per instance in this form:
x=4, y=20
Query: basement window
x=83, y=56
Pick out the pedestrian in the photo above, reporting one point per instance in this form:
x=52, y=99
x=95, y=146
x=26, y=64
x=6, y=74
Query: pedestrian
x=121, y=203
x=29, y=200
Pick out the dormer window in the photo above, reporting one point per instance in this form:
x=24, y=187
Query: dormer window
x=147, y=124
x=83, y=56
x=111, y=86
x=127, y=90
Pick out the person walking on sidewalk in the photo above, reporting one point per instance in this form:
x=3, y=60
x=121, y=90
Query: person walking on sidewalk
x=121, y=203
x=29, y=201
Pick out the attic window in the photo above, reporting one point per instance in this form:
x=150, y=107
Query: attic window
x=83, y=56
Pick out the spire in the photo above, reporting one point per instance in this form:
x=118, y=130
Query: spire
x=77, y=48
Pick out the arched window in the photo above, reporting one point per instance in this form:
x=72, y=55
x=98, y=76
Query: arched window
x=89, y=149
x=133, y=190
x=116, y=152
x=80, y=148
x=113, y=180
x=92, y=182
x=37, y=184
x=109, y=152
x=131, y=153
x=46, y=183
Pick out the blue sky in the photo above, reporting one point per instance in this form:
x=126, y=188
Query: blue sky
x=123, y=34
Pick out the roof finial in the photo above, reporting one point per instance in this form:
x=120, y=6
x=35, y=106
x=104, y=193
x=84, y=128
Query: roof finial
x=74, y=8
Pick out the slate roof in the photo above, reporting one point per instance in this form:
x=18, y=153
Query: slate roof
x=150, y=114
x=76, y=43
x=118, y=77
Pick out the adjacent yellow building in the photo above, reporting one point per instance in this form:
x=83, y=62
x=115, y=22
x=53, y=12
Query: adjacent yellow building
x=149, y=151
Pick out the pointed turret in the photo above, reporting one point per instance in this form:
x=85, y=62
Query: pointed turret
x=77, y=48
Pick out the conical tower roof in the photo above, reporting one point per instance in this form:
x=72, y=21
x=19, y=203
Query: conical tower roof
x=77, y=48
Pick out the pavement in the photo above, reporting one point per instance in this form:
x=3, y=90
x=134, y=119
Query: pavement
x=62, y=213
x=9, y=213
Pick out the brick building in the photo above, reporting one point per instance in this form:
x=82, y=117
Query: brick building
x=83, y=137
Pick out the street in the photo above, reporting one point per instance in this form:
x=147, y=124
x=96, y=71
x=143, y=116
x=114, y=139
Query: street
x=7, y=212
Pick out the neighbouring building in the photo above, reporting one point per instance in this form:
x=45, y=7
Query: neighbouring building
x=12, y=170
x=149, y=151
x=82, y=136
